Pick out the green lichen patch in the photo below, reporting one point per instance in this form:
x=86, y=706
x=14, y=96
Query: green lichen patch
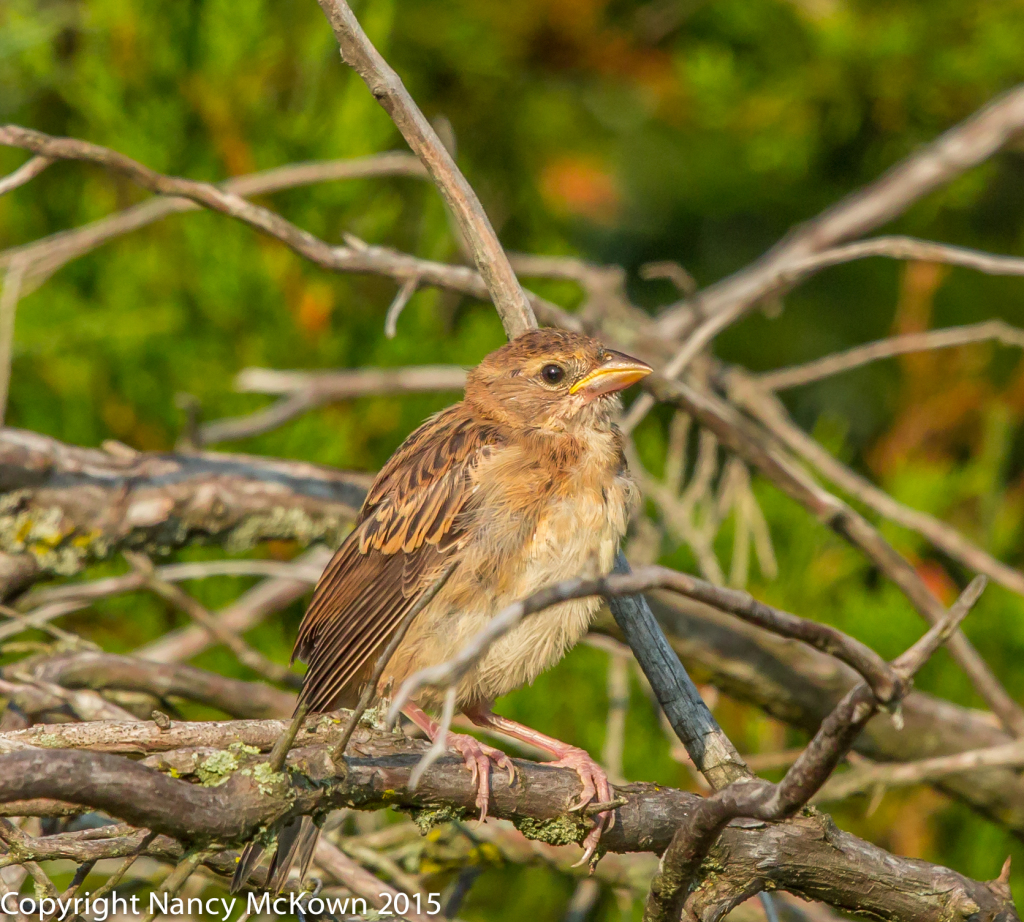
x=243, y=749
x=561, y=830
x=216, y=769
x=429, y=817
x=265, y=777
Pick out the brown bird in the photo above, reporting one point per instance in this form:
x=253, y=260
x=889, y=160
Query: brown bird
x=522, y=484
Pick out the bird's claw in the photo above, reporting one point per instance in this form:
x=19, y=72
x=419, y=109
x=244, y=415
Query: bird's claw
x=595, y=787
x=478, y=757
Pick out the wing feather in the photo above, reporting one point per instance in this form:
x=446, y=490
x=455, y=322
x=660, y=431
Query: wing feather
x=410, y=526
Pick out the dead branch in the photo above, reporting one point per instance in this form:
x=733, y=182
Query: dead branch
x=884, y=682
x=820, y=861
x=28, y=171
x=873, y=777
x=799, y=375
x=356, y=257
x=738, y=434
x=306, y=390
x=386, y=86
x=959, y=149
x=99, y=671
x=800, y=686
x=64, y=507
x=771, y=413
x=765, y=801
x=244, y=613
x=45, y=256
x=908, y=248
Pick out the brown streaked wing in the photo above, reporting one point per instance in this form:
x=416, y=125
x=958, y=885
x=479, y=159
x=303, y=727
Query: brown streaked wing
x=410, y=526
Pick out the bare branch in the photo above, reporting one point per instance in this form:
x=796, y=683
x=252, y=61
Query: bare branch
x=97, y=670
x=830, y=864
x=959, y=149
x=244, y=613
x=66, y=506
x=358, y=52
x=370, y=259
x=798, y=375
x=738, y=434
x=800, y=686
x=9, y=297
x=199, y=613
x=872, y=777
x=888, y=684
x=45, y=256
x=765, y=801
x=25, y=173
x=306, y=390
x=770, y=412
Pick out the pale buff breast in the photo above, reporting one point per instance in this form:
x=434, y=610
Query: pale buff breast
x=576, y=533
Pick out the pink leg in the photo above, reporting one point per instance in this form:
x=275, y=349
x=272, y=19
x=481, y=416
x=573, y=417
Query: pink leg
x=593, y=777
x=476, y=755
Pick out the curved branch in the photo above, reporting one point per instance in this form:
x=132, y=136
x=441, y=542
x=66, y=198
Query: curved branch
x=957, y=150
x=357, y=257
x=98, y=671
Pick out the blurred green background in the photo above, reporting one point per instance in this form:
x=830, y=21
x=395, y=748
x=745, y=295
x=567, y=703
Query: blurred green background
x=624, y=132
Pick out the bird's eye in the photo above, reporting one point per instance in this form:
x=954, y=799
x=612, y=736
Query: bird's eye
x=552, y=374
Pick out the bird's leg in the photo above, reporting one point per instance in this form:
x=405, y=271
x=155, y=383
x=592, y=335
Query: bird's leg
x=477, y=756
x=593, y=777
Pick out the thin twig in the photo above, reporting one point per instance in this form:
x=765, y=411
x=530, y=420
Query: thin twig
x=839, y=362
x=304, y=391
x=25, y=173
x=199, y=613
x=869, y=778
x=876, y=673
x=772, y=414
x=46, y=255
x=8, y=310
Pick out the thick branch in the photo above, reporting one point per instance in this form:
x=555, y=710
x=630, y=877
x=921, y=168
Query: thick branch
x=64, y=507
x=807, y=855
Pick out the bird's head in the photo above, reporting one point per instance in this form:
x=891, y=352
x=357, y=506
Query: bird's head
x=552, y=379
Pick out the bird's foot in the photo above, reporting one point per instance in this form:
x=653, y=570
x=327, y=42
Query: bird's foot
x=595, y=786
x=478, y=758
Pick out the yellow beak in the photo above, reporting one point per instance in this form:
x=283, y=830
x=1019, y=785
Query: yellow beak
x=616, y=373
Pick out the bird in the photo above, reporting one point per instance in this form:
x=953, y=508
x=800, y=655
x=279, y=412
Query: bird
x=520, y=485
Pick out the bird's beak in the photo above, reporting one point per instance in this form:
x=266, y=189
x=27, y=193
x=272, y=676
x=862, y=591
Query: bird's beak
x=616, y=373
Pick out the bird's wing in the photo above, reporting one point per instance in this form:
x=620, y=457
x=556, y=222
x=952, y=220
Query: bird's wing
x=410, y=526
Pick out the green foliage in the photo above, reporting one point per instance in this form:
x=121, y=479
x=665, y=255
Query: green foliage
x=621, y=131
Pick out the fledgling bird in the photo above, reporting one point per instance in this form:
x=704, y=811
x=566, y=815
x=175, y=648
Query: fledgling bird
x=522, y=484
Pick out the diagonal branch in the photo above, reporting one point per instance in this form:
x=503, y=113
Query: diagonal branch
x=772, y=802
x=957, y=150
x=799, y=375
x=358, y=52
x=357, y=257
x=45, y=256
x=769, y=411
x=740, y=435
